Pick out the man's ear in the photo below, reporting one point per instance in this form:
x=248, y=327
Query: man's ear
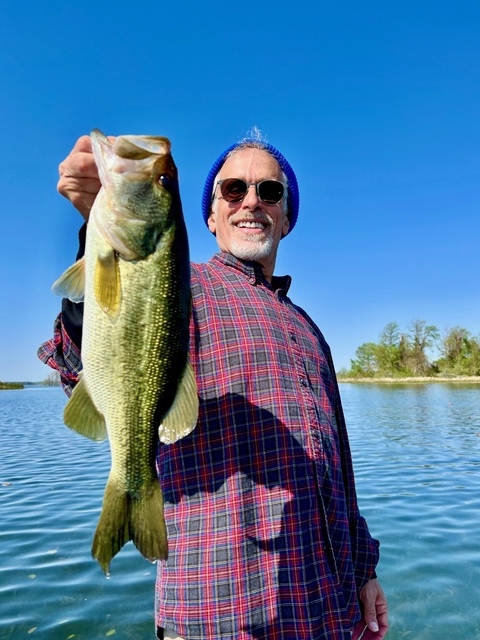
x=285, y=226
x=212, y=225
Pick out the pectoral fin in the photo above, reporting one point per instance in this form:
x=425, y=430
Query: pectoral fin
x=71, y=283
x=107, y=287
x=181, y=418
x=82, y=416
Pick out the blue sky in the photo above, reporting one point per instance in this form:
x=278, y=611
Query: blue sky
x=375, y=104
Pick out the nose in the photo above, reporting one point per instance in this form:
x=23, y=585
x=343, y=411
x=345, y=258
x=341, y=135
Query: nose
x=251, y=200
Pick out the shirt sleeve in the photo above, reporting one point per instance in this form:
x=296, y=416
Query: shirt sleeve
x=365, y=548
x=63, y=355
x=63, y=351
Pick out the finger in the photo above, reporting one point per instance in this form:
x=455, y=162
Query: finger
x=84, y=143
x=375, y=608
x=83, y=202
x=382, y=619
x=80, y=161
x=80, y=164
x=81, y=151
x=370, y=613
x=81, y=192
x=87, y=186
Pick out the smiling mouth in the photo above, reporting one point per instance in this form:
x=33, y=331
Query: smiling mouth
x=251, y=224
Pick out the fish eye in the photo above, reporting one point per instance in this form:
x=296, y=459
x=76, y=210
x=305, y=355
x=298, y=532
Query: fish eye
x=165, y=180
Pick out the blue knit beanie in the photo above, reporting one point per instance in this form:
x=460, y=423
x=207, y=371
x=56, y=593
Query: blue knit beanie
x=293, y=195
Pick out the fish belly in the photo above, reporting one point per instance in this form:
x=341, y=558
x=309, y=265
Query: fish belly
x=132, y=366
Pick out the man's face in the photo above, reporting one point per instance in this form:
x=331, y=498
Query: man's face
x=250, y=229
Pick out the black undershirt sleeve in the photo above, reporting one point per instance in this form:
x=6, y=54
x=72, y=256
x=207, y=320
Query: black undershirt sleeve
x=72, y=312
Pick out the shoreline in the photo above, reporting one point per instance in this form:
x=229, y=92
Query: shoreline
x=412, y=380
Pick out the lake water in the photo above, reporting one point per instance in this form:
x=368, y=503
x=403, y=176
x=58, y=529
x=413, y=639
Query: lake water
x=416, y=454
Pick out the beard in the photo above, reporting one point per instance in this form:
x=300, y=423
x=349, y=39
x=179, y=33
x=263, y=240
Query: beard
x=252, y=247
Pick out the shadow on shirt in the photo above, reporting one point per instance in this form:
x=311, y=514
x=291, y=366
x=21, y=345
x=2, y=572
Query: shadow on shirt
x=260, y=503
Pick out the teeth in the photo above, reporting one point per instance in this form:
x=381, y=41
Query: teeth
x=251, y=225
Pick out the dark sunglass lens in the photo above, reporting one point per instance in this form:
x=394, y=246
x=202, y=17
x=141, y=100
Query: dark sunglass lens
x=270, y=191
x=233, y=189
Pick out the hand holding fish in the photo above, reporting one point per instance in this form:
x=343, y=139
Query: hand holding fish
x=79, y=181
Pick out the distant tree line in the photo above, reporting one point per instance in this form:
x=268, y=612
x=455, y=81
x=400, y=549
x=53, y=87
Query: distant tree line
x=418, y=351
x=11, y=385
x=52, y=380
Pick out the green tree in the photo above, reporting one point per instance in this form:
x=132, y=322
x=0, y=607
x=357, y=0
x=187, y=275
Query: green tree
x=474, y=357
x=365, y=361
x=460, y=353
x=420, y=338
x=455, y=347
x=400, y=354
x=388, y=350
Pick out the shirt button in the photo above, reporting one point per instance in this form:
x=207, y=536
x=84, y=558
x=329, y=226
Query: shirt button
x=293, y=337
x=303, y=382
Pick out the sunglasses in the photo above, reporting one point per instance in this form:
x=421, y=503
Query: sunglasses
x=235, y=190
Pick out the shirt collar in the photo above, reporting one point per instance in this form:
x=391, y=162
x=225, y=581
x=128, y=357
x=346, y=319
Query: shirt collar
x=253, y=271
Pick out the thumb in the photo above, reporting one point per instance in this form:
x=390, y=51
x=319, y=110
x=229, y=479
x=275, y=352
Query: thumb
x=372, y=625
x=369, y=597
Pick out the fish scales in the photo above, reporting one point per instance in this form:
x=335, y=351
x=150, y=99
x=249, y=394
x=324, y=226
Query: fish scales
x=137, y=384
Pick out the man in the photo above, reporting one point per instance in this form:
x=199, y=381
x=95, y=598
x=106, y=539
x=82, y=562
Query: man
x=265, y=537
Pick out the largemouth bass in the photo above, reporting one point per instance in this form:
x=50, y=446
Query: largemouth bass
x=137, y=384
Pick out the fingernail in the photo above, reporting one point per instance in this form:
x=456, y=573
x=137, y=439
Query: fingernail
x=373, y=626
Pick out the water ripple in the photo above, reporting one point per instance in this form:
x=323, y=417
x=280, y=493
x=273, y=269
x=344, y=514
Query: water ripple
x=416, y=456
x=51, y=489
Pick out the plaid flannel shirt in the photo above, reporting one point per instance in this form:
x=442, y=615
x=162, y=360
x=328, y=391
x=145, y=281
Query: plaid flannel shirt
x=265, y=537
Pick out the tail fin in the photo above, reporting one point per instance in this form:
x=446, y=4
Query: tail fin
x=125, y=518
